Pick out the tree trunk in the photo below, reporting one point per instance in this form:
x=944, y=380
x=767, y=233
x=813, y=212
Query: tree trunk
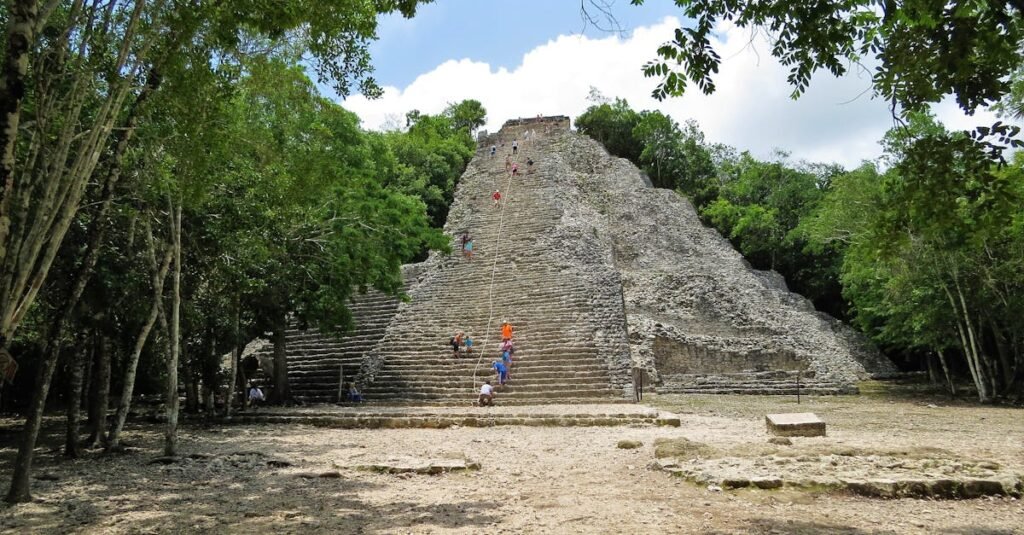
x=236, y=355
x=933, y=374
x=281, y=391
x=21, y=21
x=209, y=403
x=20, y=490
x=100, y=399
x=131, y=366
x=74, y=412
x=171, y=400
x=945, y=370
x=191, y=385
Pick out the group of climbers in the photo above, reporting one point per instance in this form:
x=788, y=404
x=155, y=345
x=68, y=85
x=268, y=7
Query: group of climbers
x=460, y=342
x=502, y=367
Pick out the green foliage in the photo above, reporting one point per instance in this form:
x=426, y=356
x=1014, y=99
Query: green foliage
x=612, y=124
x=468, y=114
x=932, y=250
x=426, y=161
x=923, y=50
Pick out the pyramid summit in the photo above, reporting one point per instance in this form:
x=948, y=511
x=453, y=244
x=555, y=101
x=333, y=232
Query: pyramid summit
x=600, y=274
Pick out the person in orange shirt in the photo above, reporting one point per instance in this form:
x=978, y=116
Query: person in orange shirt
x=506, y=331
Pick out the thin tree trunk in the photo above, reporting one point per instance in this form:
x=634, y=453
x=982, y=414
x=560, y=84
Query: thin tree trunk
x=236, y=354
x=72, y=440
x=945, y=371
x=21, y=21
x=188, y=377
x=967, y=343
x=171, y=401
x=131, y=366
x=100, y=400
x=281, y=391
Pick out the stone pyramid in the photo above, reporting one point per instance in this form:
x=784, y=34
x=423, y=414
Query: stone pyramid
x=600, y=274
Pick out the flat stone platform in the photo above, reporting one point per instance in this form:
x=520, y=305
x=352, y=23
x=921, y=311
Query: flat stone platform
x=397, y=417
x=797, y=424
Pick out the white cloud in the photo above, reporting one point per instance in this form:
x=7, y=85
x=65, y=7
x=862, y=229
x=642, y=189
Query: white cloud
x=836, y=120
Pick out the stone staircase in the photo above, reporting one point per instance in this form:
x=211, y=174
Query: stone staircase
x=315, y=359
x=512, y=276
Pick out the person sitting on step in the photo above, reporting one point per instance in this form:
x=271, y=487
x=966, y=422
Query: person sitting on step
x=486, y=395
x=353, y=394
x=256, y=396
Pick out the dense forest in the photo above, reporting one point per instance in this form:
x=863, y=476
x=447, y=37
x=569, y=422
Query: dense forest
x=922, y=250
x=174, y=183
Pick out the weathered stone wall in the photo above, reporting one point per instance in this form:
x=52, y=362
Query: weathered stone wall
x=683, y=282
x=677, y=357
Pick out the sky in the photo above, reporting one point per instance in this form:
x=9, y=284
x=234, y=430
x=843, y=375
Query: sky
x=527, y=57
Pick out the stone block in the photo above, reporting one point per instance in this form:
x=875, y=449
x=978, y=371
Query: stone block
x=798, y=424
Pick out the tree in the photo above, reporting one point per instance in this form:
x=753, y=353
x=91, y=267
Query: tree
x=76, y=69
x=933, y=261
x=612, y=125
x=920, y=51
x=468, y=114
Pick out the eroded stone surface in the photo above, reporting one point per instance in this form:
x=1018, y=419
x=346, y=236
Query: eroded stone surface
x=877, y=476
x=411, y=465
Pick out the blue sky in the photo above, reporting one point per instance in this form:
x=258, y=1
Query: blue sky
x=527, y=57
x=498, y=32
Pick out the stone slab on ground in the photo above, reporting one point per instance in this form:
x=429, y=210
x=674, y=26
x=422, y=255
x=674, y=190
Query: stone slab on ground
x=378, y=417
x=411, y=465
x=875, y=476
x=797, y=424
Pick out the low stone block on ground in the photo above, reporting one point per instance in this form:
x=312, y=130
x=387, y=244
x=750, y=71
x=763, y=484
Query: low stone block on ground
x=408, y=465
x=797, y=424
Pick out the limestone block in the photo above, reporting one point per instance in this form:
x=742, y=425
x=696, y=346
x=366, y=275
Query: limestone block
x=798, y=424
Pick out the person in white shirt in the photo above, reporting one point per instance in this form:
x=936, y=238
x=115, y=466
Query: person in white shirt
x=486, y=394
x=255, y=395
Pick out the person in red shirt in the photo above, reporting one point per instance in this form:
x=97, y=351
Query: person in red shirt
x=496, y=197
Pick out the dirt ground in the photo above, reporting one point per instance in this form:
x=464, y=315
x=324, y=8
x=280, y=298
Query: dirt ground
x=532, y=479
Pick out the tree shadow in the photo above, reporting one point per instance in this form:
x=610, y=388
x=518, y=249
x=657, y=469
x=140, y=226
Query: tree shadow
x=231, y=483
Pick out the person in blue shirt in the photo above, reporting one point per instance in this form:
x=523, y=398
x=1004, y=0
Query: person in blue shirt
x=501, y=370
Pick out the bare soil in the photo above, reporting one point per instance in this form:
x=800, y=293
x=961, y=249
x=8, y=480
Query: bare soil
x=267, y=479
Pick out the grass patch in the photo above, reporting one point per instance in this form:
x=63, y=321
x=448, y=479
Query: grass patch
x=682, y=448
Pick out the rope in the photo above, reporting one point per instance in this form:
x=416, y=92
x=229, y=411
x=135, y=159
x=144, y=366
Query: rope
x=494, y=270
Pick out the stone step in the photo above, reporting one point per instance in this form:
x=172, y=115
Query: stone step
x=480, y=417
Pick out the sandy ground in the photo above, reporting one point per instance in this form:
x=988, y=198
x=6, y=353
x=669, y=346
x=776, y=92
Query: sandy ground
x=532, y=480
